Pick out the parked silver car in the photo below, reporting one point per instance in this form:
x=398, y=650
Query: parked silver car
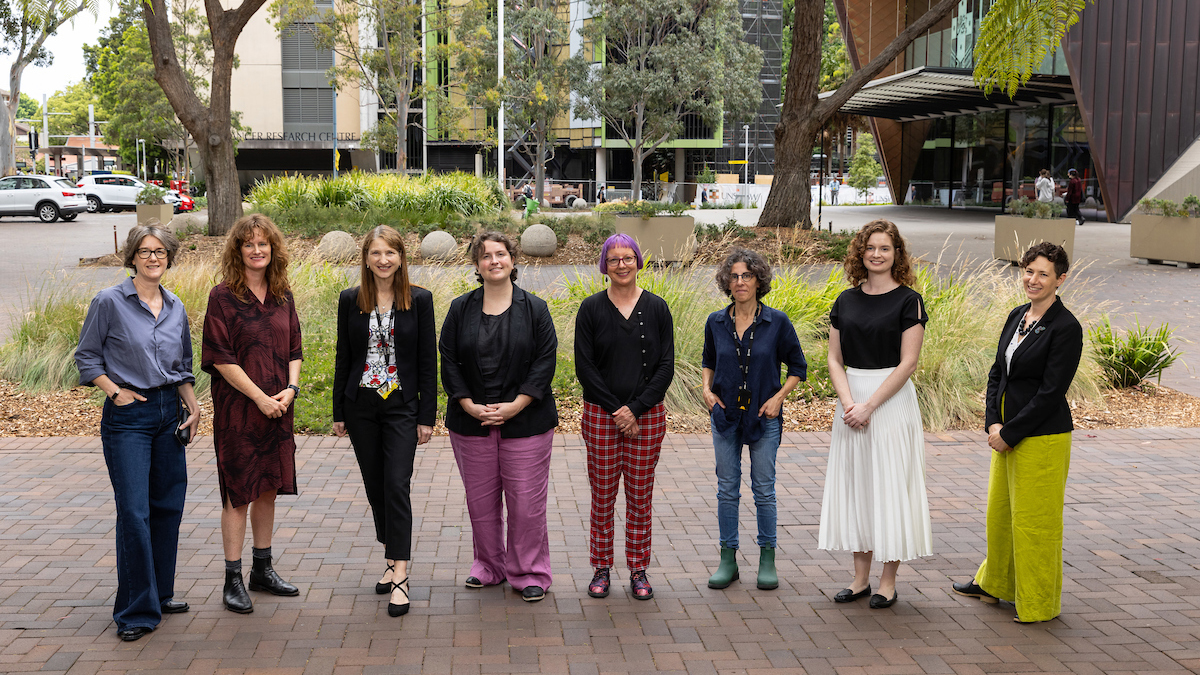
x=47, y=197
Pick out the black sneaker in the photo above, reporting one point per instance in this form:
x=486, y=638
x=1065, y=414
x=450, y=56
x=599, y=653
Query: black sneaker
x=533, y=593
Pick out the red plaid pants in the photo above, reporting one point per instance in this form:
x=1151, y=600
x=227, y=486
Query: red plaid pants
x=611, y=455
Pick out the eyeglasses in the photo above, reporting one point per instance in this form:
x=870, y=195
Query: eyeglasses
x=145, y=253
x=628, y=261
x=744, y=276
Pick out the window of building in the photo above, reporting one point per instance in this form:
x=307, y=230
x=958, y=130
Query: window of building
x=300, y=51
x=308, y=106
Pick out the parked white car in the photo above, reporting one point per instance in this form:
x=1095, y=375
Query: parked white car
x=47, y=197
x=116, y=192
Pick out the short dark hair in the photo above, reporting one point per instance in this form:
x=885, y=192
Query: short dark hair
x=1054, y=253
x=499, y=238
x=139, y=232
x=1071, y=171
x=754, y=263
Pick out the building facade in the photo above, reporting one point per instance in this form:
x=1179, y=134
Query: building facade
x=1119, y=102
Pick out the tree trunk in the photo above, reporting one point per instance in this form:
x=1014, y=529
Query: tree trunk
x=8, y=140
x=539, y=167
x=803, y=115
x=210, y=126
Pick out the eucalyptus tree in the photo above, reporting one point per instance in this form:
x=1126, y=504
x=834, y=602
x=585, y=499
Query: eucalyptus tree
x=665, y=60
x=210, y=119
x=1015, y=36
x=26, y=24
x=536, y=87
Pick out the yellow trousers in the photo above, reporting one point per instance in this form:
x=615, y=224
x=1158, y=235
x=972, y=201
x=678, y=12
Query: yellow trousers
x=1026, y=491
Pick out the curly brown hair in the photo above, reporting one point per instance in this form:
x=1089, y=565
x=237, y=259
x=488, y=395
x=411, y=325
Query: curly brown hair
x=233, y=270
x=902, y=268
x=1054, y=253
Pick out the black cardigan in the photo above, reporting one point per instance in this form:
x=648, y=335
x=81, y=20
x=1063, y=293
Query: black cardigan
x=638, y=353
x=531, y=358
x=1035, y=388
x=416, y=353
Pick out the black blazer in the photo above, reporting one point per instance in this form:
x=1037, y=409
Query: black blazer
x=1035, y=387
x=416, y=353
x=532, y=344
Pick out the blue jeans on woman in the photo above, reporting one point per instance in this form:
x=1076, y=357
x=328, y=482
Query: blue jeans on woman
x=148, y=469
x=728, y=451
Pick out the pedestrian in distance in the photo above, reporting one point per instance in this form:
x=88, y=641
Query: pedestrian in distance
x=834, y=186
x=744, y=347
x=600, y=196
x=136, y=347
x=874, y=503
x=252, y=350
x=1029, y=425
x=498, y=356
x=624, y=419
x=1044, y=186
x=1074, y=196
x=385, y=393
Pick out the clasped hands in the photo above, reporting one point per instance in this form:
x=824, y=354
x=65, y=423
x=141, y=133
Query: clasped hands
x=996, y=442
x=626, y=423
x=275, y=406
x=857, y=415
x=492, y=414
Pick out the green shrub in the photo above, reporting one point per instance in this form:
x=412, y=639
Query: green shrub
x=1165, y=207
x=151, y=195
x=1032, y=208
x=643, y=208
x=1143, y=352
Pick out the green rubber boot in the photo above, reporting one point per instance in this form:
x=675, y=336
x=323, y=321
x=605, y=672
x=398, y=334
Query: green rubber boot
x=768, y=580
x=727, y=573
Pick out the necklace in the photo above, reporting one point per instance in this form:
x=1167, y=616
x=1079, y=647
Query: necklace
x=1022, y=330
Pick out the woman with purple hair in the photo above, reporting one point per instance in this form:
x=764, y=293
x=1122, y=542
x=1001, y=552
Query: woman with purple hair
x=624, y=420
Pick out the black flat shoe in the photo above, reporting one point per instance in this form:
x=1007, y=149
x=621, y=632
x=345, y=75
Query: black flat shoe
x=133, y=633
x=400, y=610
x=174, y=607
x=847, y=595
x=532, y=593
x=880, y=602
x=384, y=589
x=972, y=590
x=472, y=582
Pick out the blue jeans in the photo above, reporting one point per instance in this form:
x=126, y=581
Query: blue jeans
x=148, y=469
x=728, y=450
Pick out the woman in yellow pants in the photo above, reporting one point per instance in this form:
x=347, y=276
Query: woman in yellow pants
x=1029, y=428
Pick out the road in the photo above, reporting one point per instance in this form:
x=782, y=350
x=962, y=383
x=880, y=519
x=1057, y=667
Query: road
x=35, y=256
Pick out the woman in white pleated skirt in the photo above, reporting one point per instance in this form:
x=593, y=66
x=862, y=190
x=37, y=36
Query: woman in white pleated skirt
x=875, y=503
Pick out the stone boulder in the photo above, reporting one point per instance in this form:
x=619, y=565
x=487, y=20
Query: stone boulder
x=539, y=241
x=189, y=223
x=439, y=245
x=338, y=247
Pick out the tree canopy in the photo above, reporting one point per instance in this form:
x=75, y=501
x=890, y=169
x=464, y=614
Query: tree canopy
x=665, y=60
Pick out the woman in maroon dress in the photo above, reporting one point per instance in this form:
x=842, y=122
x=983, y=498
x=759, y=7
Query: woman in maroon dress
x=252, y=350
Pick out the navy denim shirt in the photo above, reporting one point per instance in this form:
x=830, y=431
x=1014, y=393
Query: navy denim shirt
x=122, y=339
x=775, y=343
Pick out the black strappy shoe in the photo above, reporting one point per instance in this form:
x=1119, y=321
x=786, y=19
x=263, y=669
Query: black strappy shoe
x=384, y=589
x=399, y=610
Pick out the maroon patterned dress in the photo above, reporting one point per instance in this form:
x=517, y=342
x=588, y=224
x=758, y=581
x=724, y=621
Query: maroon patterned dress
x=255, y=454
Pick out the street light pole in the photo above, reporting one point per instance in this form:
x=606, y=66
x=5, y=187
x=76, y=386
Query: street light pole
x=499, y=79
x=746, y=170
x=140, y=162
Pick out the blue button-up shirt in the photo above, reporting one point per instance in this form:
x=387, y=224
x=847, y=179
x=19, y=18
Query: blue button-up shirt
x=775, y=343
x=122, y=339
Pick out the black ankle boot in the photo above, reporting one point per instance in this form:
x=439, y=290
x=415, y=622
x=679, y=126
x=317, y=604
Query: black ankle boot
x=235, y=596
x=264, y=578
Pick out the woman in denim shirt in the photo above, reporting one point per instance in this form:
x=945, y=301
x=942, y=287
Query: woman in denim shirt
x=744, y=345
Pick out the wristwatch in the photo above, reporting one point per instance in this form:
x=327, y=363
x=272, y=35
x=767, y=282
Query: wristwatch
x=294, y=388
x=115, y=394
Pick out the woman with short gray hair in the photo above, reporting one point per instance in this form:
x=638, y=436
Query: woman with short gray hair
x=136, y=346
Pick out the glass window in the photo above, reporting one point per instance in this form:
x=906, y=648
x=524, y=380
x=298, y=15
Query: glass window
x=8, y=184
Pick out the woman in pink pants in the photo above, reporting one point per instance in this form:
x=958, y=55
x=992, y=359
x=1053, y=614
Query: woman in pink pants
x=498, y=355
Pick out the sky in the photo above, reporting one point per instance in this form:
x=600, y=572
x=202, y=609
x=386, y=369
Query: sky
x=66, y=46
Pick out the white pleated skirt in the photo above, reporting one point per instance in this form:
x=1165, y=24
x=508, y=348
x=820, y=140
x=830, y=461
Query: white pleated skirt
x=874, y=496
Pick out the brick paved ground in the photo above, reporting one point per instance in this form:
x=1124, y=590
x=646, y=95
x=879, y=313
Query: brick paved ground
x=1131, y=601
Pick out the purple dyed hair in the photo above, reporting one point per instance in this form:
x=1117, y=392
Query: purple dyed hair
x=619, y=240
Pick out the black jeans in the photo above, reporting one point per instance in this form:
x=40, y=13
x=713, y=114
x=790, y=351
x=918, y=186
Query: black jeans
x=384, y=434
x=1073, y=212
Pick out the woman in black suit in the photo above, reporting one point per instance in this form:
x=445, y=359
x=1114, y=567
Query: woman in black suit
x=385, y=393
x=498, y=356
x=1029, y=428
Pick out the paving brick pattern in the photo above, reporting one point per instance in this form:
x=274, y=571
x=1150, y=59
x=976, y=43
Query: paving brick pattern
x=1131, y=596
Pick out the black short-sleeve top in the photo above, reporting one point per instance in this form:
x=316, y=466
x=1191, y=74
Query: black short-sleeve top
x=870, y=325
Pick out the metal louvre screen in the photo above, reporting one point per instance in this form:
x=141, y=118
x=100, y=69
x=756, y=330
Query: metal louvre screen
x=308, y=106
x=299, y=52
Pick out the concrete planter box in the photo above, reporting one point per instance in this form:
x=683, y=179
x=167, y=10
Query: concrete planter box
x=160, y=212
x=662, y=238
x=1015, y=234
x=1159, y=239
